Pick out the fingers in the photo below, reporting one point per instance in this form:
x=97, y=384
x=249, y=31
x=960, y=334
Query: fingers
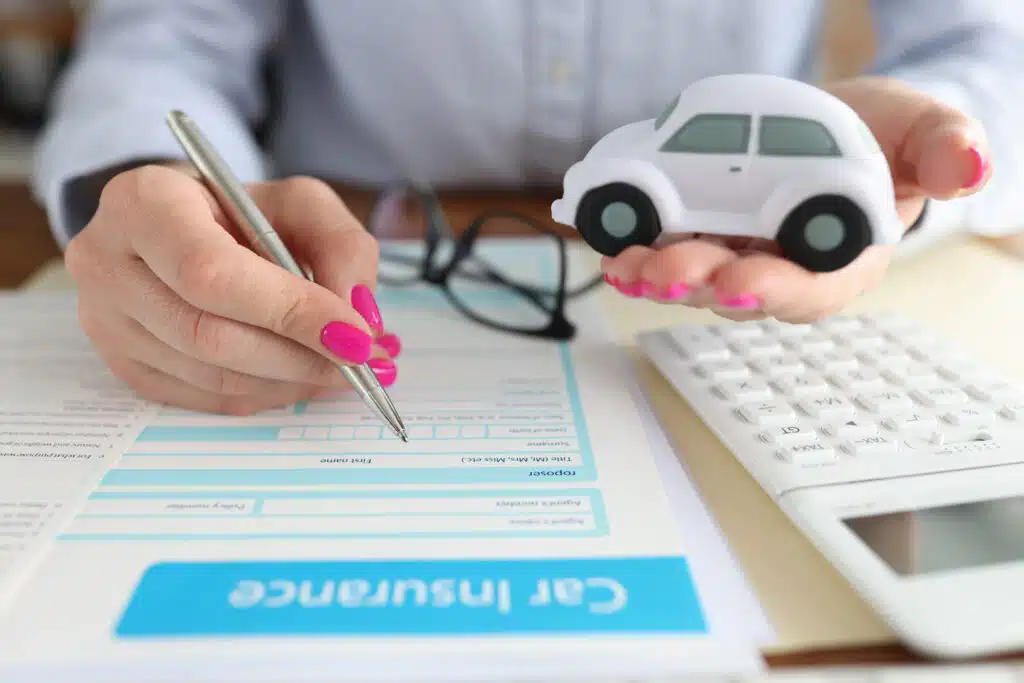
x=934, y=150
x=785, y=291
x=123, y=336
x=753, y=285
x=208, y=339
x=951, y=161
x=157, y=386
x=321, y=232
x=212, y=272
x=671, y=274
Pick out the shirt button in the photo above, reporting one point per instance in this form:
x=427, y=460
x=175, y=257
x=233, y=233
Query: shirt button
x=561, y=72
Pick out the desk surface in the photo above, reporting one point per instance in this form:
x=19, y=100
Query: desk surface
x=965, y=291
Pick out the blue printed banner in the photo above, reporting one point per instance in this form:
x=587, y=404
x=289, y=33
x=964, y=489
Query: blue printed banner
x=429, y=598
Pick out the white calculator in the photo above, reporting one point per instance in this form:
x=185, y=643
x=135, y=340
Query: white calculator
x=898, y=455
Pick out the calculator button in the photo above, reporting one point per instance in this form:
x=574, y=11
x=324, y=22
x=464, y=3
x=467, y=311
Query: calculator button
x=911, y=422
x=801, y=385
x=884, y=402
x=858, y=379
x=839, y=324
x=832, y=361
x=955, y=443
x=912, y=374
x=968, y=416
x=993, y=391
x=776, y=366
x=851, y=429
x=757, y=348
x=807, y=454
x=924, y=440
x=1013, y=411
x=940, y=396
x=812, y=342
x=864, y=342
x=828, y=407
x=723, y=370
x=741, y=330
x=957, y=371
x=744, y=391
x=786, y=330
x=788, y=435
x=767, y=413
x=914, y=339
x=889, y=321
x=871, y=445
x=885, y=356
x=700, y=345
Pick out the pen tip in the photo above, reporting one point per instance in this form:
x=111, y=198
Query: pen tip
x=404, y=437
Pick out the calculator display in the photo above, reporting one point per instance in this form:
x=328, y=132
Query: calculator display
x=946, y=538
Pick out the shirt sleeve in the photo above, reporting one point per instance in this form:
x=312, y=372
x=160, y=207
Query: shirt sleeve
x=969, y=54
x=135, y=61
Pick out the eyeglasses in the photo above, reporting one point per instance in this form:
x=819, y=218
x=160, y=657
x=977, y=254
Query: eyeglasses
x=498, y=297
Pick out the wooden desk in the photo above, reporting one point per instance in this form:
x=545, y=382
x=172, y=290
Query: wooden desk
x=820, y=620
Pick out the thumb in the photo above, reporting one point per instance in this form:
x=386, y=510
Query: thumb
x=949, y=155
x=321, y=232
x=934, y=149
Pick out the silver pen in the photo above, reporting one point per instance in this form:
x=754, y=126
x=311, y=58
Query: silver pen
x=237, y=203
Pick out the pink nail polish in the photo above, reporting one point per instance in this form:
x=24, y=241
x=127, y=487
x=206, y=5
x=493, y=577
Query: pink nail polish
x=386, y=371
x=350, y=343
x=390, y=343
x=366, y=306
x=673, y=292
x=633, y=290
x=980, y=167
x=746, y=301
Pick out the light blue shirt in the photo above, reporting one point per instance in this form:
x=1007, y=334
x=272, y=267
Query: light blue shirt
x=482, y=92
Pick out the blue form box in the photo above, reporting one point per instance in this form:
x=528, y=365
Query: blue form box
x=548, y=471
x=414, y=598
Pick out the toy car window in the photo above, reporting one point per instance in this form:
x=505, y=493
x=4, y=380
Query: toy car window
x=663, y=116
x=712, y=134
x=791, y=136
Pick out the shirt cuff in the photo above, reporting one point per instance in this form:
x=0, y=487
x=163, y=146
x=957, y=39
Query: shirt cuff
x=78, y=147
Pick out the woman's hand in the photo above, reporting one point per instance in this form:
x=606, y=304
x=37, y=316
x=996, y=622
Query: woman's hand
x=183, y=311
x=934, y=152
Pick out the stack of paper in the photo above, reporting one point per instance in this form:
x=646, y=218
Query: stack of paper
x=536, y=525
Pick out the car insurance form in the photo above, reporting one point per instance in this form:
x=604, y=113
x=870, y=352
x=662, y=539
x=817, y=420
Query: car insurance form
x=535, y=524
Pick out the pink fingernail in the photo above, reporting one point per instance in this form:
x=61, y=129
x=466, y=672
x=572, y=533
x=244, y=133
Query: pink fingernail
x=350, y=343
x=386, y=371
x=739, y=301
x=390, y=343
x=673, y=292
x=366, y=306
x=633, y=290
x=980, y=167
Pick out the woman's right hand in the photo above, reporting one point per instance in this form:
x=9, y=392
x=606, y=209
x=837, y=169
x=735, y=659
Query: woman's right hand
x=183, y=311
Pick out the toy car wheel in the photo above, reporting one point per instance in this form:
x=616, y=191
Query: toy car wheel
x=613, y=217
x=824, y=233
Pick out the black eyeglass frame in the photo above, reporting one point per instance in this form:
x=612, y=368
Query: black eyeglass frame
x=433, y=271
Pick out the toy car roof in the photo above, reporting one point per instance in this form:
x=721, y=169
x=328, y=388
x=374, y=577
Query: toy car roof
x=762, y=94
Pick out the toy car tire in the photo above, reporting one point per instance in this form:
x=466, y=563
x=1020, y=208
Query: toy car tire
x=824, y=233
x=616, y=216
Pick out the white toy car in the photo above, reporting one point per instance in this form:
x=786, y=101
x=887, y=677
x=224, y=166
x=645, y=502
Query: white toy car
x=739, y=155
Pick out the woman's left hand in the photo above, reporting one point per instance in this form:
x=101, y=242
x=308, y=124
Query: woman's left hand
x=934, y=152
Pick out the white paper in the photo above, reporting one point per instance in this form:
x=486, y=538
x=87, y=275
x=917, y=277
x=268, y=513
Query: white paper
x=529, y=528
x=63, y=421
